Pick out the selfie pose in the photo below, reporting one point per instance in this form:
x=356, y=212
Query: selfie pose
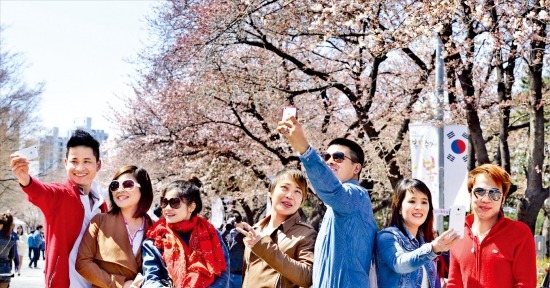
x=279, y=249
x=495, y=251
x=182, y=248
x=406, y=250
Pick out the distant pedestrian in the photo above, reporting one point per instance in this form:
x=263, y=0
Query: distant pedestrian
x=35, y=240
x=22, y=246
x=7, y=250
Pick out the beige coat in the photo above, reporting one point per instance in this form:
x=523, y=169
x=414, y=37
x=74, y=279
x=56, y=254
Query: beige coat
x=105, y=256
x=282, y=259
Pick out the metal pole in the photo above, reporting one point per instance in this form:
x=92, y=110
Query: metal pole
x=439, y=81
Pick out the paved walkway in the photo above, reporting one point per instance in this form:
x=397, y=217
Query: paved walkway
x=30, y=278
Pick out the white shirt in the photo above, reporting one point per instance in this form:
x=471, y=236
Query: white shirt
x=78, y=281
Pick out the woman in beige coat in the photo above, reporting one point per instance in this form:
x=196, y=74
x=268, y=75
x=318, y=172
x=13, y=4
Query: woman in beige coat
x=110, y=252
x=279, y=249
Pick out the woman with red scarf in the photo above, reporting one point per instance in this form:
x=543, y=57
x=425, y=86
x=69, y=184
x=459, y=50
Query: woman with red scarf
x=182, y=248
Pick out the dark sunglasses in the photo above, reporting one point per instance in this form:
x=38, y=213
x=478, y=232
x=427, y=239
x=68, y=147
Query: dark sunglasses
x=126, y=185
x=338, y=157
x=494, y=193
x=175, y=203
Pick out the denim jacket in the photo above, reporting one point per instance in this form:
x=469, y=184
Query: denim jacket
x=155, y=273
x=344, y=245
x=399, y=259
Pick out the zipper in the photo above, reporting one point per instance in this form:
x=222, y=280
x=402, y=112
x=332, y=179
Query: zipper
x=50, y=280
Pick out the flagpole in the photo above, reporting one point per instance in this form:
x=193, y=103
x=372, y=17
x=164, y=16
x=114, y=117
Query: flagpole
x=439, y=74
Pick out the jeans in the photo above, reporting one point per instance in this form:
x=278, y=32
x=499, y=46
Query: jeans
x=35, y=256
x=235, y=280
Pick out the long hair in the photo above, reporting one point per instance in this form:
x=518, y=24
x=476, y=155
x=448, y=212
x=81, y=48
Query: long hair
x=7, y=225
x=413, y=186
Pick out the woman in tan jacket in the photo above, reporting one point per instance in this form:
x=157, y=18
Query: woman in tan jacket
x=110, y=252
x=279, y=249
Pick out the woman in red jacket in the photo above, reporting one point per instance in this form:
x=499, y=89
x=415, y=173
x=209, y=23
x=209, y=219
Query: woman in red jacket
x=496, y=252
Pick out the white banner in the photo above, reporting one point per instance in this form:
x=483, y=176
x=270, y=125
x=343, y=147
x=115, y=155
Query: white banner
x=424, y=144
x=455, y=153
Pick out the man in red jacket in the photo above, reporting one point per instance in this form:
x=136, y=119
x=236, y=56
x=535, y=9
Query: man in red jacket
x=67, y=207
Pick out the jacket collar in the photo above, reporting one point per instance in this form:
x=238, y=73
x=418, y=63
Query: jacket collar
x=285, y=226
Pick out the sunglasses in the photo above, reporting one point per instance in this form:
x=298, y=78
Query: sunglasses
x=494, y=193
x=338, y=157
x=126, y=185
x=175, y=203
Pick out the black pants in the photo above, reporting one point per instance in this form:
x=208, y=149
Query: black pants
x=35, y=256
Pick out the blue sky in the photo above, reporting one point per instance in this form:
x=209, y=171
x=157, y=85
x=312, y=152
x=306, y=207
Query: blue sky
x=80, y=50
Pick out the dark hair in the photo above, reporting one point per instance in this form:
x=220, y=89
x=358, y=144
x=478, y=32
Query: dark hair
x=39, y=227
x=295, y=175
x=83, y=138
x=146, y=190
x=7, y=221
x=22, y=230
x=356, y=152
x=496, y=173
x=238, y=218
x=188, y=192
x=413, y=186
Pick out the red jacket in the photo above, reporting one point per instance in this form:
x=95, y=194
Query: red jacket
x=63, y=219
x=505, y=258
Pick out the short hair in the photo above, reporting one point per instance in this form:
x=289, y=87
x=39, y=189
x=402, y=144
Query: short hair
x=39, y=227
x=238, y=218
x=356, y=152
x=7, y=225
x=295, y=175
x=412, y=185
x=495, y=172
x=146, y=190
x=187, y=191
x=83, y=138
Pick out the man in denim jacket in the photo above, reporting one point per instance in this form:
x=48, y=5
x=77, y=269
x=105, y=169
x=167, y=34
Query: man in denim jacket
x=344, y=245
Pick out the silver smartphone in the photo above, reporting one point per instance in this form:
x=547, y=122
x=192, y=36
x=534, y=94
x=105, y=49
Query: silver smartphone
x=29, y=152
x=457, y=217
x=289, y=111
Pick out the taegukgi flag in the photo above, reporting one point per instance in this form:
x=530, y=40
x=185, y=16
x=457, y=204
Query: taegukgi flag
x=455, y=175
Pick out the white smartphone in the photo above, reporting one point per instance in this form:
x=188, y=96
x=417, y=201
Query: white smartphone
x=29, y=152
x=457, y=217
x=289, y=111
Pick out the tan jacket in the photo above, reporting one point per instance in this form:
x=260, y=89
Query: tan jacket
x=105, y=256
x=282, y=259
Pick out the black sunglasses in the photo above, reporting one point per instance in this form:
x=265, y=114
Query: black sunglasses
x=126, y=185
x=338, y=157
x=175, y=203
x=494, y=193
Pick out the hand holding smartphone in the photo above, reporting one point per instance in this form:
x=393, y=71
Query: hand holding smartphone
x=289, y=111
x=457, y=217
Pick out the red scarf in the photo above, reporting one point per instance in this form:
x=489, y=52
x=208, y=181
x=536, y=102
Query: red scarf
x=200, y=262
